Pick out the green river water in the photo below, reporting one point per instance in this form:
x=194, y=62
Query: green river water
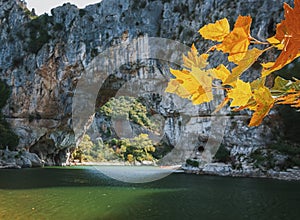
x=85, y=193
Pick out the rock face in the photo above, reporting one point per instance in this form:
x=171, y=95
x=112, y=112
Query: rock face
x=43, y=58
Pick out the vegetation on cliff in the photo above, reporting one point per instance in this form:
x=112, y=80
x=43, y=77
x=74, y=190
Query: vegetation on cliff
x=129, y=108
x=7, y=137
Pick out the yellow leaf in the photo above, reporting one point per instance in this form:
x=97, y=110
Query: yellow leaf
x=275, y=42
x=240, y=94
x=237, y=41
x=267, y=65
x=181, y=74
x=250, y=105
x=204, y=91
x=246, y=62
x=243, y=22
x=193, y=59
x=175, y=87
x=204, y=56
x=195, y=85
x=221, y=72
x=216, y=31
x=264, y=103
x=188, y=82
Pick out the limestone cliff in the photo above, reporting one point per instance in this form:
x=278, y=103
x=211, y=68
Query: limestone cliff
x=42, y=58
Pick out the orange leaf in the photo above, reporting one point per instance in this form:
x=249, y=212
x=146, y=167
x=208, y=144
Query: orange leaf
x=292, y=99
x=288, y=33
x=246, y=62
x=217, y=31
x=269, y=67
x=264, y=103
x=250, y=105
x=237, y=41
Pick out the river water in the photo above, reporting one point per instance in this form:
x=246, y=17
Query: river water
x=85, y=193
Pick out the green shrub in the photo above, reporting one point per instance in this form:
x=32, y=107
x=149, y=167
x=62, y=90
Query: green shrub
x=257, y=157
x=7, y=137
x=4, y=94
x=295, y=161
x=58, y=27
x=286, y=148
x=193, y=163
x=38, y=30
x=264, y=159
x=82, y=12
x=222, y=155
x=292, y=150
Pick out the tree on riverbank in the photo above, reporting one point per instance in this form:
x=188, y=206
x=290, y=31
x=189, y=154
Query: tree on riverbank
x=139, y=148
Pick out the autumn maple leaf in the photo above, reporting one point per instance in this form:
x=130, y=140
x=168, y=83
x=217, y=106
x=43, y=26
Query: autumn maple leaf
x=194, y=60
x=287, y=92
x=283, y=87
x=264, y=103
x=288, y=33
x=237, y=41
x=240, y=94
x=195, y=85
x=221, y=72
x=293, y=99
x=193, y=81
x=216, y=31
x=245, y=63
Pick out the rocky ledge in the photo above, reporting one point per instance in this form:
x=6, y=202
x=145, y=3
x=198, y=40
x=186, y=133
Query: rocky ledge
x=19, y=159
x=222, y=169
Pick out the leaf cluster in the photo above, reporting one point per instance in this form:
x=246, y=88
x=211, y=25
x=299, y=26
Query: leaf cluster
x=197, y=82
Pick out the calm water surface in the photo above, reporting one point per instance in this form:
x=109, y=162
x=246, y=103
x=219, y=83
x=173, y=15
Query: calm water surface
x=85, y=193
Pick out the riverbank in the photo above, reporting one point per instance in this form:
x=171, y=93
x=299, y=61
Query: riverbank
x=222, y=169
x=24, y=159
